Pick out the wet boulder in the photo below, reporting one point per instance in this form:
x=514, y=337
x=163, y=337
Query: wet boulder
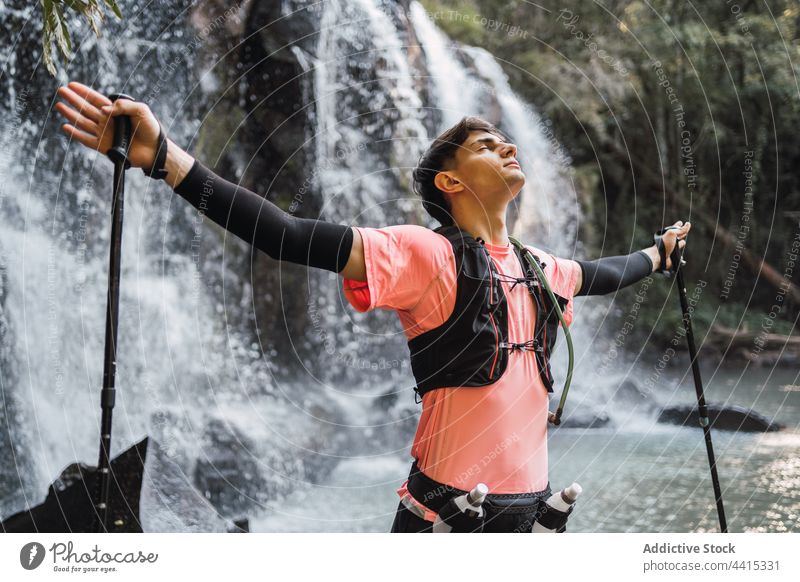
x=735, y=418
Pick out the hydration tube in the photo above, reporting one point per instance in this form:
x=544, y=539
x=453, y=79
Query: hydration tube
x=556, y=418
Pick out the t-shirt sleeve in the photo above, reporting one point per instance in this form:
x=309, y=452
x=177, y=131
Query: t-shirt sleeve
x=562, y=275
x=401, y=263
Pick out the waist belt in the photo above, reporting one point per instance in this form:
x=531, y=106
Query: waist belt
x=435, y=495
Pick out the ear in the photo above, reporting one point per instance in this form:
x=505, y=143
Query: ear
x=445, y=182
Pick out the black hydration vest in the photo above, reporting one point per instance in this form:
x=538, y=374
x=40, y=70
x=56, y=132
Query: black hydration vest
x=471, y=348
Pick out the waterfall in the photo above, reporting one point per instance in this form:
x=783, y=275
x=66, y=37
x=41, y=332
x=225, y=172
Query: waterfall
x=456, y=93
x=369, y=132
x=185, y=375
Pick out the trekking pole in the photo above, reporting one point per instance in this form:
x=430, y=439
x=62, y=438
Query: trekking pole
x=119, y=155
x=677, y=263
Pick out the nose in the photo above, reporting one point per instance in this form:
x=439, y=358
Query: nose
x=510, y=150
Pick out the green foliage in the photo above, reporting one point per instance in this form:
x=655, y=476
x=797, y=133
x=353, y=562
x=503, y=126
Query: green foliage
x=55, y=30
x=457, y=20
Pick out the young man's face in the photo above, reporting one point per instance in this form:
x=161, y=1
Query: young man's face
x=485, y=168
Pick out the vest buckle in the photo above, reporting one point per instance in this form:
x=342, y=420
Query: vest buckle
x=532, y=345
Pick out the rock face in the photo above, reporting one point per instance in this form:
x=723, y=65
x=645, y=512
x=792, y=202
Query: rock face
x=735, y=418
x=257, y=131
x=241, y=470
x=70, y=502
x=306, y=107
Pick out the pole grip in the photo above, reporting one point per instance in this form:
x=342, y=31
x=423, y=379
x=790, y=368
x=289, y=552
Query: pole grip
x=123, y=134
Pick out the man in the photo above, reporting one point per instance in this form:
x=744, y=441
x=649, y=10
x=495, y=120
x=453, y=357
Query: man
x=479, y=326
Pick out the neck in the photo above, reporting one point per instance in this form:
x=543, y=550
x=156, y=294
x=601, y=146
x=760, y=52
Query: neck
x=489, y=226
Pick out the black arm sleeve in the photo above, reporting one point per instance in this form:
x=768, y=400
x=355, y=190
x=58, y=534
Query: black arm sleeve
x=608, y=274
x=258, y=221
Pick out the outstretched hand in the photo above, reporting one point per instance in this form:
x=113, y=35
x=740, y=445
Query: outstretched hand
x=89, y=113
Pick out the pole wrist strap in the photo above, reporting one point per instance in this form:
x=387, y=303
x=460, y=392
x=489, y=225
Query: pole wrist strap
x=158, y=172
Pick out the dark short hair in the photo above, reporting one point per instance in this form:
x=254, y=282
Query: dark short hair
x=437, y=157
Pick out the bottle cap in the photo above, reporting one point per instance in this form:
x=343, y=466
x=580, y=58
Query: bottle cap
x=478, y=494
x=571, y=493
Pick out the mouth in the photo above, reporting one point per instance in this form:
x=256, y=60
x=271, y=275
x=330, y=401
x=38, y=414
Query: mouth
x=512, y=163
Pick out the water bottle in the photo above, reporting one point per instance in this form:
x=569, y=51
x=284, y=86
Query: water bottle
x=464, y=513
x=557, y=509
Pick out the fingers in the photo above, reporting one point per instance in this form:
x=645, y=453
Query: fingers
x=681, y=231
x=125, y=107
x=78, y=120
x=86, y=139
x=92, y=96
x=83, y=106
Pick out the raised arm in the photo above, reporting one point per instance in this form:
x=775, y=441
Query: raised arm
x=609, y=274
x=249, y=216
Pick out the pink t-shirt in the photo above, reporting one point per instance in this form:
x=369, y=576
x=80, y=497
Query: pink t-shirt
x=494, y=434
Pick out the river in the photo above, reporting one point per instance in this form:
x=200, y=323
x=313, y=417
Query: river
x=639, y=477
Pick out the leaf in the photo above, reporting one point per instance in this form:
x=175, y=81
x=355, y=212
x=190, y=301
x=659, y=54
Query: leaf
x=62, y=33
x=47, y=53
x=76, y=5
x=56, y=31
x=113, y=5
x=90, y=18
x=47, y=36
